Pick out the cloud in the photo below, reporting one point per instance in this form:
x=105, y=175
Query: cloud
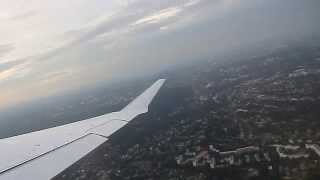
x=158, y=16
x=216, y=25
x=8, y=65
x=192, y=3
x=55, y=77
x=5, y=49
x=137, y=38
x=112, y=27
x=23, y=16
x=14, y=69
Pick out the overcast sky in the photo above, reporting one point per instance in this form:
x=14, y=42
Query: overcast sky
x=52, y=46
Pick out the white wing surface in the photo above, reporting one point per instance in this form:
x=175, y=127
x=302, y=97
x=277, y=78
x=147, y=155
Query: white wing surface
x=43, y=154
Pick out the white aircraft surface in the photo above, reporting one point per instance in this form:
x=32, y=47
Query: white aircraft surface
x=43, y=154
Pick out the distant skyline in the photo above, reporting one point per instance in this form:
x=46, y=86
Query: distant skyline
x=49, y=46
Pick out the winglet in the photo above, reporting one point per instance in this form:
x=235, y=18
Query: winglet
x=141, y=103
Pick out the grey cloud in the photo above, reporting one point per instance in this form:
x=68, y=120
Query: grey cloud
x=115, y=47
x=133, y=12
x=197, y=32
x=8, y=65
x=210, y=31
x=253, y=18
x=23, y=16
x=53, y=76
x=5, y=48
x=118, y=22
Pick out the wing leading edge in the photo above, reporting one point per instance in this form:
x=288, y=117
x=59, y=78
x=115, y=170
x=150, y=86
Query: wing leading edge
x=43, y=154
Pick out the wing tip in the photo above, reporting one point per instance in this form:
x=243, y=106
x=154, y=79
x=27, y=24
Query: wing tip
x=160, y=82
x=143, y=100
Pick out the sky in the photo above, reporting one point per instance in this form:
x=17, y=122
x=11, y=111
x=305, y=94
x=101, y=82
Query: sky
x=49, y=47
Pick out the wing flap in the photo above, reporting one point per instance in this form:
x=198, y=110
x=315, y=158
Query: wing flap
x=54, y=161
x=108, y=128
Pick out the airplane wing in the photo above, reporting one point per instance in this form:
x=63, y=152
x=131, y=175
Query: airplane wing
x=44, y=154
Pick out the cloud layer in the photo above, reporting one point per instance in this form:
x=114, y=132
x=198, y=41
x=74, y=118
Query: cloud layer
x=49, y=46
